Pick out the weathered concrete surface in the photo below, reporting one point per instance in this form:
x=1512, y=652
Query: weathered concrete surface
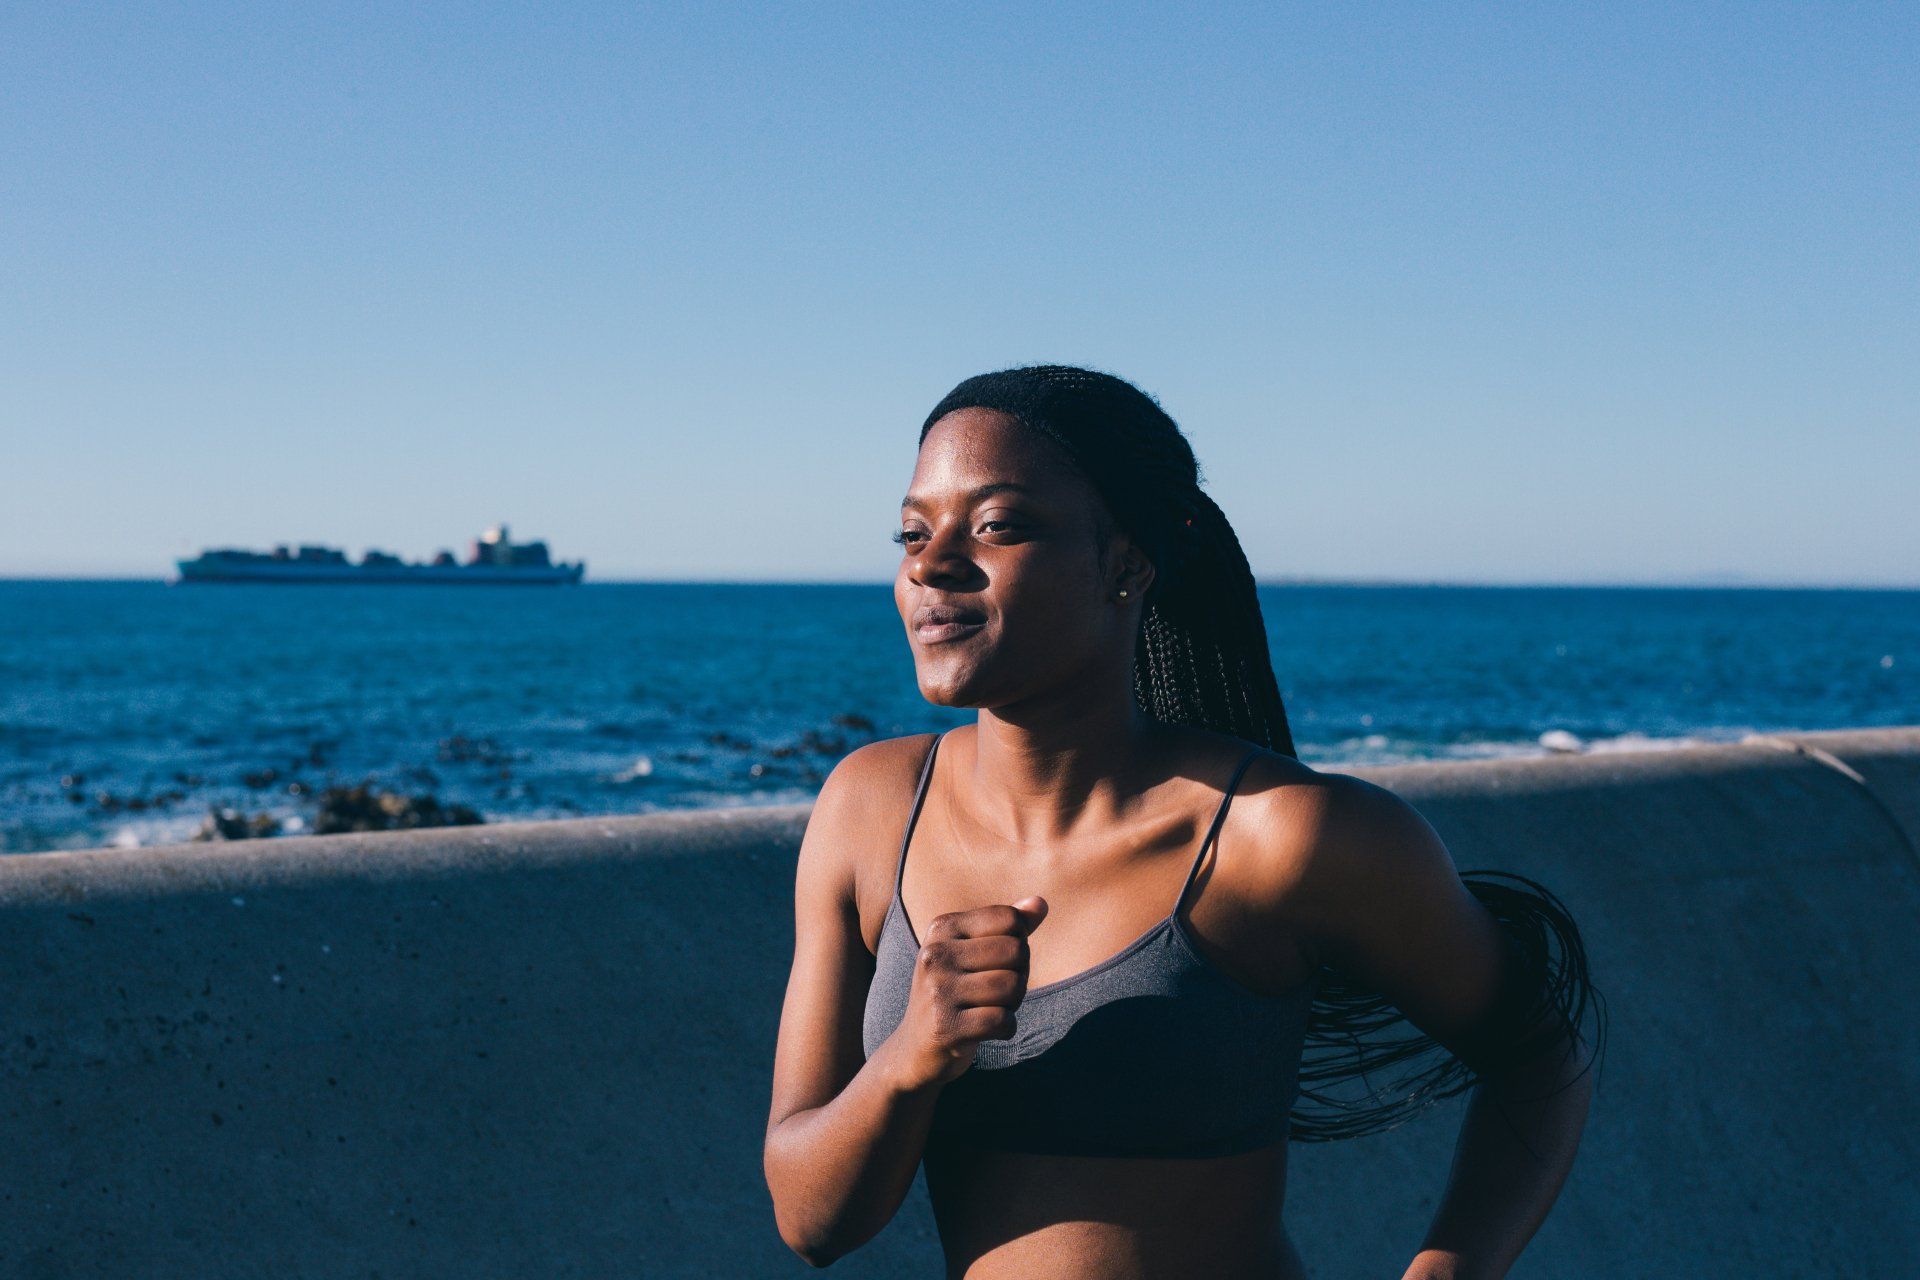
x=1885, y=762
x=545, y=1049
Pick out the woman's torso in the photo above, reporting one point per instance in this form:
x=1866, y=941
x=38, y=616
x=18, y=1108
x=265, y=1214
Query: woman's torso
x=1005, y=1215
x=1149, y=1086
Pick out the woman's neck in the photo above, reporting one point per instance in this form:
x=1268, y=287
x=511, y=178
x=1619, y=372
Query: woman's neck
x=1036, y=781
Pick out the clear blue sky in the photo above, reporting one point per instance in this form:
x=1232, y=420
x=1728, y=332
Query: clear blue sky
x=1527, y=293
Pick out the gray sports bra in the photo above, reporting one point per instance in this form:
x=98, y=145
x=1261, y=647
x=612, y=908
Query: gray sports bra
x=1155, y=1051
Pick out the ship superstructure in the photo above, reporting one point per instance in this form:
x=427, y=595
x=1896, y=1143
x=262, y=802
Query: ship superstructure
x=493, y=558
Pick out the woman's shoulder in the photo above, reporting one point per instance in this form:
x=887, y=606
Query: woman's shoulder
x=877, y=763
x=1331, y=843
x=872, y=786
x=1273, y=776
x=860, y=816
x=1300, y=820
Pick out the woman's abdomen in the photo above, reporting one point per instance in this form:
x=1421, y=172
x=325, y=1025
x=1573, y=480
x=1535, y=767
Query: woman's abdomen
x=1009, y=1214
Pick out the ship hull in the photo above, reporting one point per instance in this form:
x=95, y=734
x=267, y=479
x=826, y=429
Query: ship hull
x=479, y=575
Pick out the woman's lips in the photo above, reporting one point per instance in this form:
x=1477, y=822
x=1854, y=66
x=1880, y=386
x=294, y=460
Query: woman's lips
x=941, y=632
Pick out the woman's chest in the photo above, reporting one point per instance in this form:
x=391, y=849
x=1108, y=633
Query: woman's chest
x=1149, y=1054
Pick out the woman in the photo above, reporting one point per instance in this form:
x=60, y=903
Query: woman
x=1101, y=1086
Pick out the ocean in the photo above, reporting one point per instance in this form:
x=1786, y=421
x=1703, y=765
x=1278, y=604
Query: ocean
x=129, y=710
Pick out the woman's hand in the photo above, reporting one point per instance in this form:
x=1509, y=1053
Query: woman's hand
x=968, y=978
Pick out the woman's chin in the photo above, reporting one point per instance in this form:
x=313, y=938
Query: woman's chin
x=942, y=690
x=940, y=698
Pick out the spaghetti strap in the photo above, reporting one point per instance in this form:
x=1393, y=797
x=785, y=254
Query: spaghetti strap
x=1213, y=832
x=913, y=815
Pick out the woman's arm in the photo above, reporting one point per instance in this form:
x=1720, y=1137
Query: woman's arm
x=845, y=1135
x=1377, y=896
x=1515, y=1149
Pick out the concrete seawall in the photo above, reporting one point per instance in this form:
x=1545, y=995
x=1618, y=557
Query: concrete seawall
x=544, y=1050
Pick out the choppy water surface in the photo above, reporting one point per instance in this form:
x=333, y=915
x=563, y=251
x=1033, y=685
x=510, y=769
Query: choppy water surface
x=128, y=709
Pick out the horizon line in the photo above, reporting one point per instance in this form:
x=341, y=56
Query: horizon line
x=1707, y=582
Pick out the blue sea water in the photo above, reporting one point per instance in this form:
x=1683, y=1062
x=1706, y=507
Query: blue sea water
x=127, y=710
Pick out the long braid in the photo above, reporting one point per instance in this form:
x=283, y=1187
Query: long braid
x=1203, y=643
x=1203, y=659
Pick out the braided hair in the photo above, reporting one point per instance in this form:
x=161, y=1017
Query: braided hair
x=1202, y=659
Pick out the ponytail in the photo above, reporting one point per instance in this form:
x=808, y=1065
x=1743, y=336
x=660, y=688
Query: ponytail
x=1354, y=1034
x=1203, y=660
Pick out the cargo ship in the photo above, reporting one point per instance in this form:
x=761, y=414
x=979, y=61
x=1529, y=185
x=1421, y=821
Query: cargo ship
x=494, y=559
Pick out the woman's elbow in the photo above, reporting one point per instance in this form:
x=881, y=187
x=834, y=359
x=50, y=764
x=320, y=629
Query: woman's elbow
x=813, y=1242
x=812, y=1253
x=814, y=1247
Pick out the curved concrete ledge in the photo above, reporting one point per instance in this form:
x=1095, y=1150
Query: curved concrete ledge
x=545, y=1049
x=1885, y=762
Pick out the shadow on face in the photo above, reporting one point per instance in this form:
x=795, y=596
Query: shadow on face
x=1010, y=567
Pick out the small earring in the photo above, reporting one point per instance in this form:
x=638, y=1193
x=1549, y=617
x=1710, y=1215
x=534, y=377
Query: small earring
x=1123, y=593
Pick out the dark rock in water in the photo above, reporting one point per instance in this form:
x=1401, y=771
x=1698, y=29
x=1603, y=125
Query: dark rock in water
x=855, y=721
x=231, y=824
x=721, y=738
x=365, y=808
x=811, y=741
x=460, y=749
x=821, y=744
x=260, y=779
x=108, y=802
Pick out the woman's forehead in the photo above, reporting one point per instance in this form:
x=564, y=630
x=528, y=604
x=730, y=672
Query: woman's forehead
x=970, y=448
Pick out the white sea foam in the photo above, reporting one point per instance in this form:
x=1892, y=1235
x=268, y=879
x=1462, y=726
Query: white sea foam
x=640, y=768
x=1383, y=749
x=157, y=829
x=1645, y=742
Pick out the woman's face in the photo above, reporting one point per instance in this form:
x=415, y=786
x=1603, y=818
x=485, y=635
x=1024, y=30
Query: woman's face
x=1002, y=584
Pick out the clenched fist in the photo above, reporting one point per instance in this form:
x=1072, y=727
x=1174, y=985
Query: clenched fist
x=969, y=975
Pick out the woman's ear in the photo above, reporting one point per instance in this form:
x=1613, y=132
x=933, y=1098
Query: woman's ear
x=1133, y=571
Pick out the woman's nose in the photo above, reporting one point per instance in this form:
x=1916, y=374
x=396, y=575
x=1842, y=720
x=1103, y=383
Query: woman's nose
x=943, y=559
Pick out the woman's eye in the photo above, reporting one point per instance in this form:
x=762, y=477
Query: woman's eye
x=913, y=537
